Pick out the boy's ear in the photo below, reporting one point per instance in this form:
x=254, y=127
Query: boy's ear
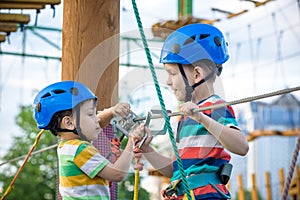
x=67, y=122
x=198, y=74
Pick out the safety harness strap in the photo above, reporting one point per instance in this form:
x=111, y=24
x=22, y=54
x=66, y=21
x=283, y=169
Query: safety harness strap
x=198, y=180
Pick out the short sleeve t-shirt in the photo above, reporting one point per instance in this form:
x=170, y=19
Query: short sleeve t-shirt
x=79, y=164
x=199, y=150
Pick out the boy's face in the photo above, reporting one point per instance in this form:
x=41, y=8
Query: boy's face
x=89, y=123
x=175, y=80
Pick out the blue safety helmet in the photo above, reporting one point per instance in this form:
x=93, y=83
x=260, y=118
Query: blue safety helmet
x=195, y=42
x=57, y=97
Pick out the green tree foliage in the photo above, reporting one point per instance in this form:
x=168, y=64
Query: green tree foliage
x=126, y=189
x=38, y=178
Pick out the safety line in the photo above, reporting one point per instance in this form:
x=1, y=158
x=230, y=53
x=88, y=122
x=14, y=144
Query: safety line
x=156, y=116
x=229, y=103
x=10, y=187
x=33, y=153
x=161, y=101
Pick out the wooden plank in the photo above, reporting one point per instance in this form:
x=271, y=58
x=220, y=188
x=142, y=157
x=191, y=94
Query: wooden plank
x=11, y=17
x=51, y=2
x=294, y=190
x=90, y=50
x=2, y=38
x=254, y=193
x=258, y=133
x=268, y=186
x=241, y=193
x=236, y=14
x=281, y=180
x=8, y=27
x=259, y=3
x=8, y=5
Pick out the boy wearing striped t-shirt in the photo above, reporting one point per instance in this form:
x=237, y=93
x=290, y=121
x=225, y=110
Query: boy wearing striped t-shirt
x=193, y=56
x=68, y=110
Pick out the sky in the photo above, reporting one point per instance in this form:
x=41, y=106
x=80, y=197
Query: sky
x=264, y=47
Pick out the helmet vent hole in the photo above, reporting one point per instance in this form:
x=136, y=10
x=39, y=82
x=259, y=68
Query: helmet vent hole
x=217, y=41
x=203, y=36
x=59, y=91
x=190, y=40
x=74, y=91
x=46, y=95
x=38, y=107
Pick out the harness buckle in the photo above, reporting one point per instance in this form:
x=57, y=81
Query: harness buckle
x=171, y=189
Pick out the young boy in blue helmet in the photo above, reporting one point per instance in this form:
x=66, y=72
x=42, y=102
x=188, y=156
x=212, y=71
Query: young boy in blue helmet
x=68, y=110
x=193, y=56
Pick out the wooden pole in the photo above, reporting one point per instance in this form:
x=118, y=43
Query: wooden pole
x=12, y=17
x=90, y=54
x=294, y=191
x=2, y=37
x=91, y=46
x=6, y=5
x=254, y=194
x=268, y=186
x=241, y=194
x=281, y=180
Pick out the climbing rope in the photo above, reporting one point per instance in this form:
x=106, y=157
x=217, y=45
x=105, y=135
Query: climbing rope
x=138, y=167
x=155, y=116
x=10, y=187
x=33, y=153
x=161, y=101
x=291, y=169
x=229, y=103
x=136, y=184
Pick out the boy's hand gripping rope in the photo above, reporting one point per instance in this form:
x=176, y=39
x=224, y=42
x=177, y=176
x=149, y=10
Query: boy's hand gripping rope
x=162, y=104
x=10, y=187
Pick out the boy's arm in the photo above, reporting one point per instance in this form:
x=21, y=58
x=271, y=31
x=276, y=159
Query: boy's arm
x=120, y=109
x=117, y=171
x=160, y=162
x=231, y=138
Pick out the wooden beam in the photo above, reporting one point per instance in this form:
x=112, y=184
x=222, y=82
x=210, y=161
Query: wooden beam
x=259, y=133
x=8, y=27
x=90, y=50
x=268, y=186
x=2, y=37
x=259, y=3
x=221, y=11
x=8, y=5
x=51, y=2
x=163, y=29
x=18, y=18
x=236, y=14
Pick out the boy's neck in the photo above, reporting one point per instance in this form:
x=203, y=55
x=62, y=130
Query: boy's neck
x=68, y=136
x=203, y=92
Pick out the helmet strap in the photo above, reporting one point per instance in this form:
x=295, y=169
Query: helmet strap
x=78, y=129
x=189, y=89
x=66, y=130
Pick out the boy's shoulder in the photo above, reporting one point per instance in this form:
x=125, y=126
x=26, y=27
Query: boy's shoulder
x=75, y=142
x=213, y=99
